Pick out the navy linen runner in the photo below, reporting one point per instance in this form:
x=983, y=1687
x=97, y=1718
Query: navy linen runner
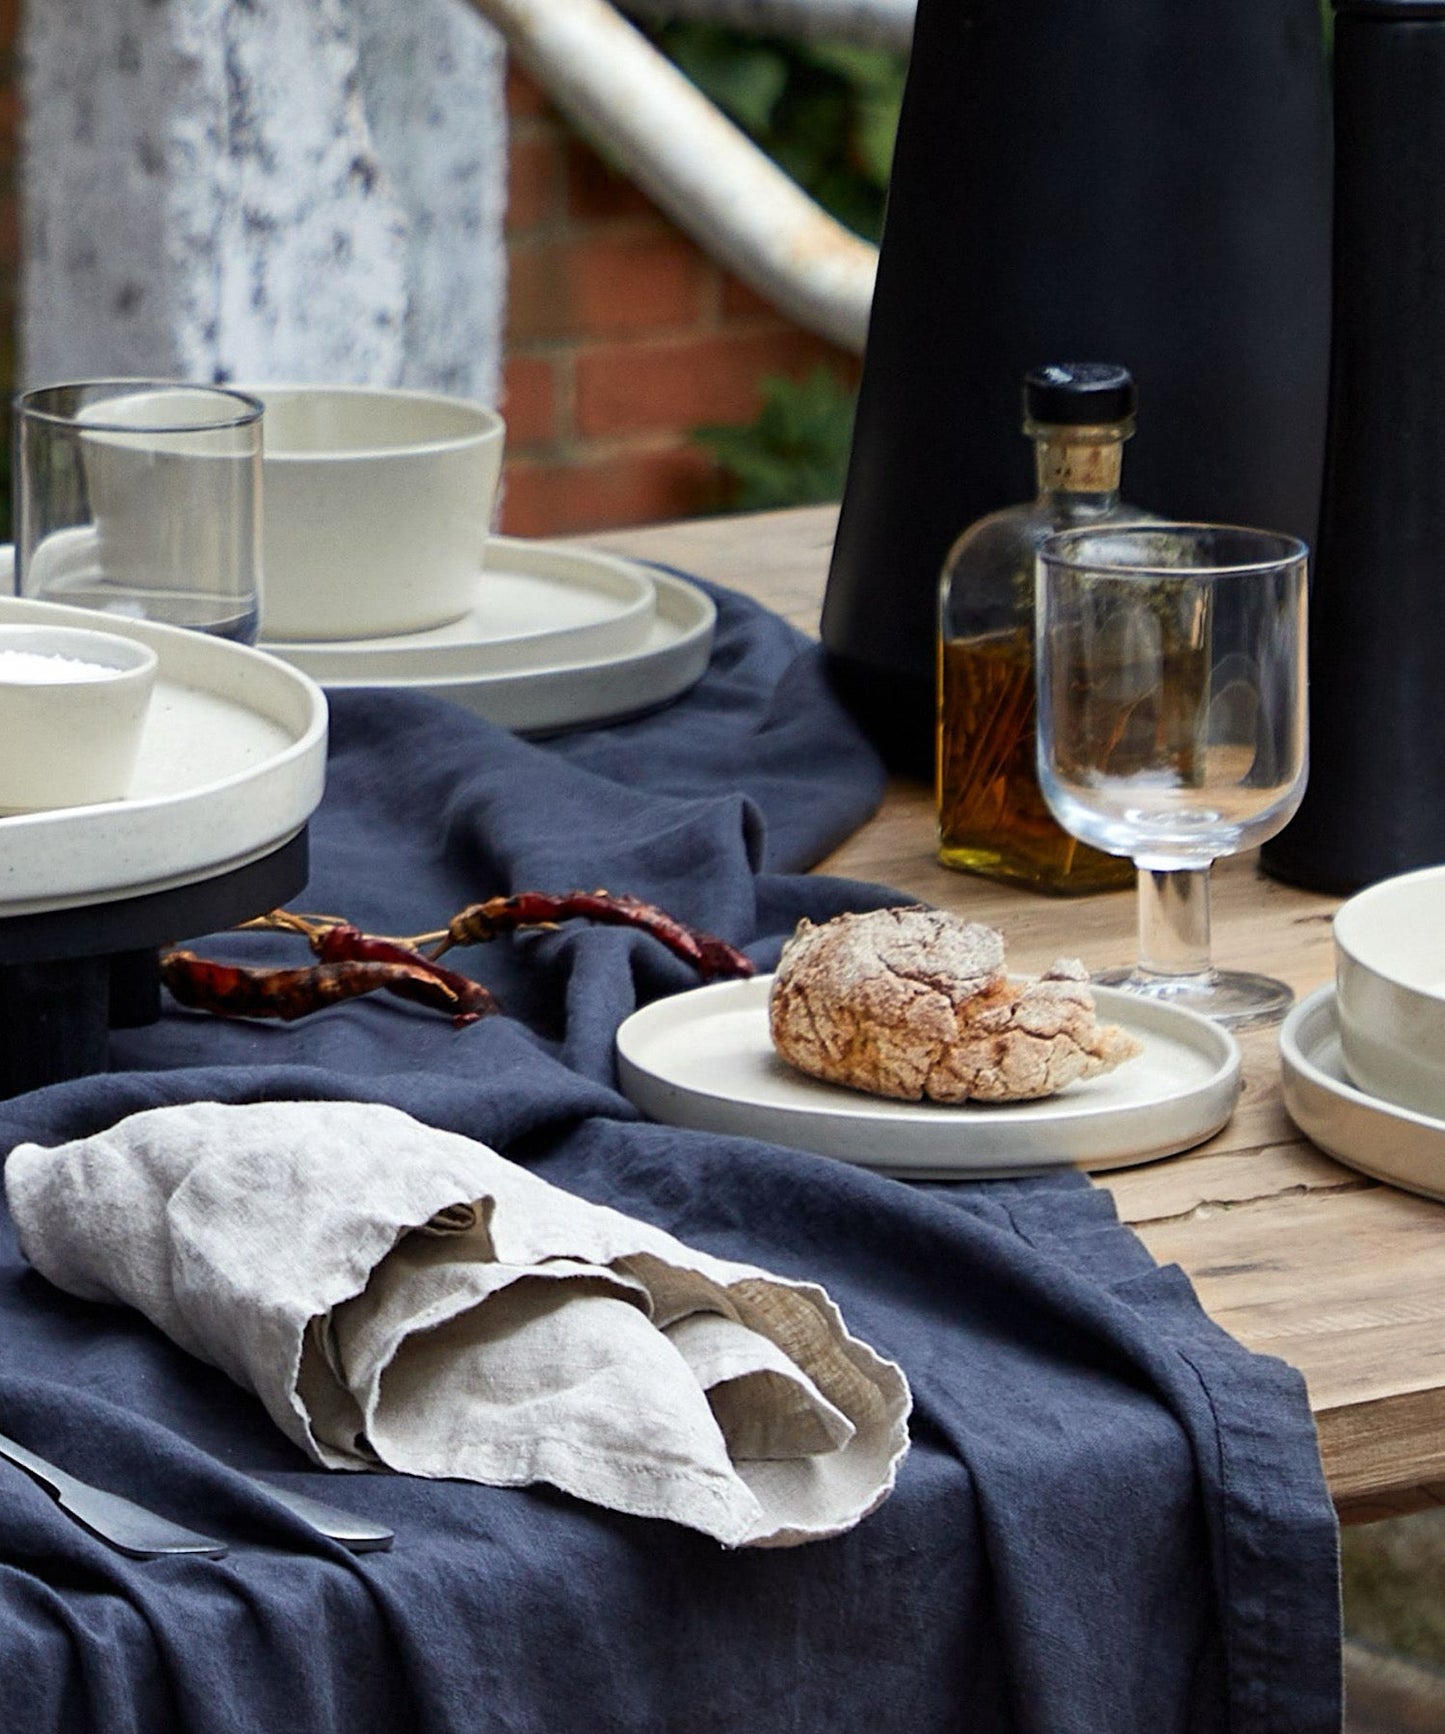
x=1112, y=1518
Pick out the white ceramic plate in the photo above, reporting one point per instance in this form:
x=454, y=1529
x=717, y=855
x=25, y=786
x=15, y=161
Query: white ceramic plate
x=232, y=763
x=527, y=683
x=1388, y=1143
x=705, y=1060
x=536, y=603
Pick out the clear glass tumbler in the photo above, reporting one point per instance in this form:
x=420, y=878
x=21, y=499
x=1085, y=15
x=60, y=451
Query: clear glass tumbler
x=1172, y=726
x=141, y=498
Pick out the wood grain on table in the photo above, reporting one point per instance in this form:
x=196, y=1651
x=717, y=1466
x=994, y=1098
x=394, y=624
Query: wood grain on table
x=1292, y=1253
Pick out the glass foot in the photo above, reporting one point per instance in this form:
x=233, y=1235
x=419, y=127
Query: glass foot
x=1234, y=998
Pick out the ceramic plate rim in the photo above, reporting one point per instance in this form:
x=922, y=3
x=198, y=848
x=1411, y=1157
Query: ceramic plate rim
x=280, y=792
x=1215, y=1043
x=143, y=630
x=670, y=589
x=327, y=659
x=555, y=696
x=1313, y=1006
x=1303, y=1081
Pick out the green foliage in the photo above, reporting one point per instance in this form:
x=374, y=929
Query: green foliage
x=826, y=113
x=795, y=453
x=1394, y=1585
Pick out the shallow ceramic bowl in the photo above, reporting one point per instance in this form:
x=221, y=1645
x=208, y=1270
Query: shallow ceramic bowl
x=376, y=508
x=70, y=740
x=1390, y=990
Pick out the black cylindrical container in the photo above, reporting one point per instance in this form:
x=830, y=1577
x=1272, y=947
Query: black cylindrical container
x=1138, y=179
x=1375, y=804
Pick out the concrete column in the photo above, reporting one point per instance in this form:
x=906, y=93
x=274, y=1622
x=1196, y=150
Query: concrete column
x=266, y=190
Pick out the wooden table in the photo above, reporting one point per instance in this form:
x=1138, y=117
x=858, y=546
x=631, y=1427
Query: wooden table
x=1292, y=1253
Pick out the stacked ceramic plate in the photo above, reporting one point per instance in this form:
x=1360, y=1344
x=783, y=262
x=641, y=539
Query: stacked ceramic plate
x=1363, y=1060
x=559, y=636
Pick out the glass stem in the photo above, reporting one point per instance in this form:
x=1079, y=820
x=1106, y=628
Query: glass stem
x=1174, y=921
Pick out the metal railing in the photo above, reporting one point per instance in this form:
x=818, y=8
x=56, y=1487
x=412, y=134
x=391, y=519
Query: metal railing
x=633, y=105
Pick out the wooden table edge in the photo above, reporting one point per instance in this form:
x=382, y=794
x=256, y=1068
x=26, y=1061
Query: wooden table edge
x=1380, y=1421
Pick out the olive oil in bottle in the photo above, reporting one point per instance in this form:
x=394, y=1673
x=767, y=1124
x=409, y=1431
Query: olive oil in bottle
x=992, y=817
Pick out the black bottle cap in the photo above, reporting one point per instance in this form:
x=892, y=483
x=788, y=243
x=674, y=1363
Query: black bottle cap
x=1078, y=393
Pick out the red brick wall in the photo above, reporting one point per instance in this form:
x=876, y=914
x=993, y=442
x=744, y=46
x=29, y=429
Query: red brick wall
x=622, y=337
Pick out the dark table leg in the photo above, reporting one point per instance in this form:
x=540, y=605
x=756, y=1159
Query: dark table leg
x=69, y=976
x=54, y=1021
x=135, y=988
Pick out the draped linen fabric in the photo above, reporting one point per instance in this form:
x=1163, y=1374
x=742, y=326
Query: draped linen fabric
x=399, y=1296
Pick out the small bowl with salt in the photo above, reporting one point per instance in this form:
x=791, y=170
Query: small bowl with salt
x=72, y=708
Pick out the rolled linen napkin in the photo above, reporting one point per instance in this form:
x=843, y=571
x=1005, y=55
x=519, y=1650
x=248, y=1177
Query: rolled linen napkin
x=401, y=1296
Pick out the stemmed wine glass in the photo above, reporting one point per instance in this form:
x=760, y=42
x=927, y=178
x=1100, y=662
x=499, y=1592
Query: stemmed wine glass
x=1172, y=726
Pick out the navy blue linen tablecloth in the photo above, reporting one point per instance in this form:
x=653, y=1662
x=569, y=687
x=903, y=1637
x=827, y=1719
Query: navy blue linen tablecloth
x=1112, y=1518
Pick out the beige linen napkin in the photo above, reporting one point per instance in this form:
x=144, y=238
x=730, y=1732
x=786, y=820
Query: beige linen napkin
x=402, y=1296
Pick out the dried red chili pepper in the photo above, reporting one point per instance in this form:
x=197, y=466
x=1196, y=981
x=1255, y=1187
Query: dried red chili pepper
x=335, y=940
x=343, y=943
x=235, y=990
x=353, y=962
x=479, y=922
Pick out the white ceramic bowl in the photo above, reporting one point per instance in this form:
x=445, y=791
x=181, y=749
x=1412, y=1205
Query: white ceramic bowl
x=376, y=508
x=72, y=707
x=1390, y=989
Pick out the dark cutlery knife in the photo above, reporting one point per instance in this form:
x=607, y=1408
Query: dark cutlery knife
x=128, y=1527
x=357, y=1533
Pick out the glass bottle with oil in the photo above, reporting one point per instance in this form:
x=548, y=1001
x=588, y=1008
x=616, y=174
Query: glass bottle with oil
x=992, y=818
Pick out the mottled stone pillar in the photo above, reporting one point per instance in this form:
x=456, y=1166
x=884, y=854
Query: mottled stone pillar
x=264, y=189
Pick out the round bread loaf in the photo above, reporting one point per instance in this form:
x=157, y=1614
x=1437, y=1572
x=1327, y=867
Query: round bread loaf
x=915, y=1002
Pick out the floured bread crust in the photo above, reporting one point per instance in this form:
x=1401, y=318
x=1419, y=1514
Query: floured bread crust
x=916, y=1003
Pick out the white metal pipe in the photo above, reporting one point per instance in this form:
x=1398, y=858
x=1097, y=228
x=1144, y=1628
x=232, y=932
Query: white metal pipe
x=643, y=115
x=866, y=23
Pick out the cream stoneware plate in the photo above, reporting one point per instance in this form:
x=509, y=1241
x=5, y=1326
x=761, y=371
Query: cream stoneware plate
x=705, y=1060
x=1363, y=1131
x=231, y=764
x=535, y=603
x=539, y=681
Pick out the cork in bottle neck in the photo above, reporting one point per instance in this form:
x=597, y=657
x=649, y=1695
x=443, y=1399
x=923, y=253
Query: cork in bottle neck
x=1079, y=460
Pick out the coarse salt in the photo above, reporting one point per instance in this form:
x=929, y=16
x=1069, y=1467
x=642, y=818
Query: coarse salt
x=21, y=667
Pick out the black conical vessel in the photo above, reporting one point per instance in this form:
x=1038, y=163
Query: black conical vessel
x=1375, y=802
x=1145, y=180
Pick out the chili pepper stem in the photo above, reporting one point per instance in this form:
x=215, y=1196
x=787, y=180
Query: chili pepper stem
x=441, y=939
x=309, y=927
